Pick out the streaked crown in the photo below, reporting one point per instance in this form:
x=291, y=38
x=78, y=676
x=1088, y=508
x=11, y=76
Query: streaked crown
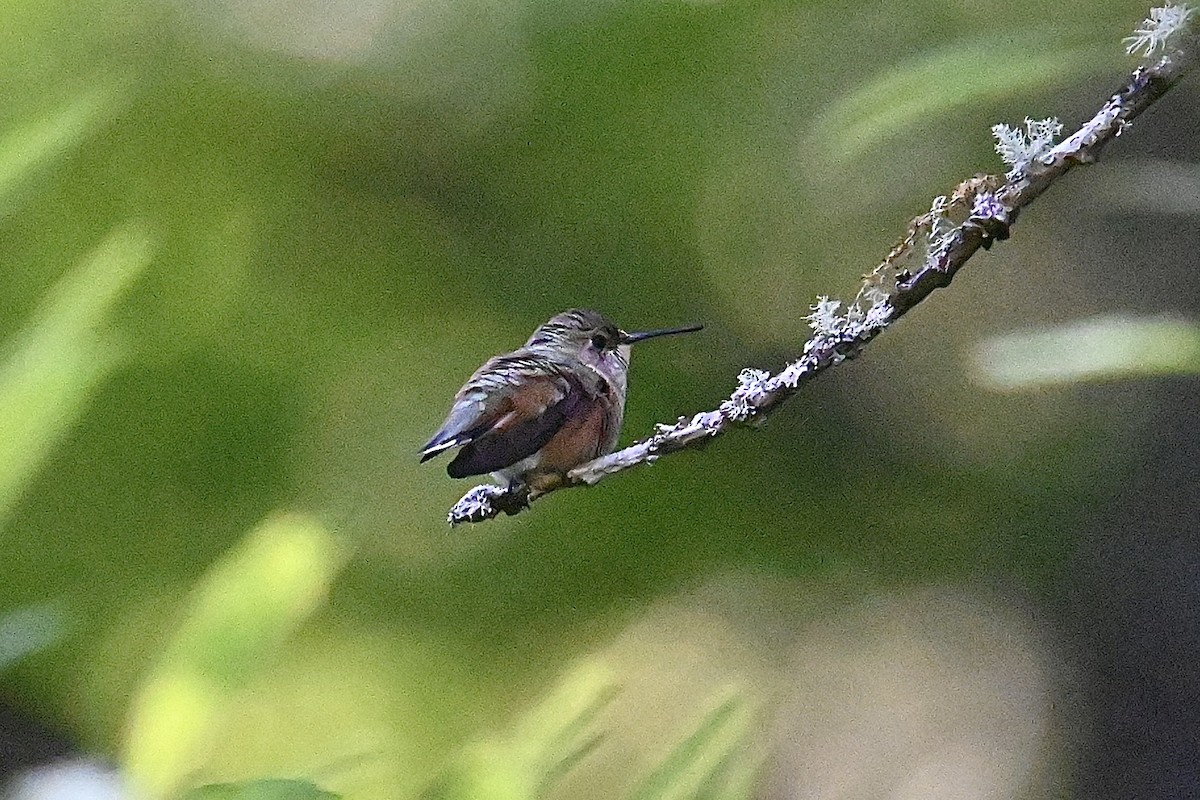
x=576, y=326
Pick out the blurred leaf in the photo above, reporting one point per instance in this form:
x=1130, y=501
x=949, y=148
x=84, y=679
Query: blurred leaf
x=260, y=790
x=29, y=629
x=555, y=736
x=483, y=771
x=1145, y=186
x=545, y=744
x=1100, y=349
x=239, y=615
x=26, y=150
x=50, y=368
x=710, y=762
x=955, y=76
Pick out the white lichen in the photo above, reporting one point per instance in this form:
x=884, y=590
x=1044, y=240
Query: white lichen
x=879, y=315
x=988, y=206
x=940, y=230
x=1020, y=148
x=874, y=295
x=791, y=374
x=475, y=505
x=710, y=421
x=1157, y=29
x=666, y=429
x=824, y=319
x=752, y=384
x=855, y=314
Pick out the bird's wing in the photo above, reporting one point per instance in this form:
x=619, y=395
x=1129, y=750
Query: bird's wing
x=506, y=412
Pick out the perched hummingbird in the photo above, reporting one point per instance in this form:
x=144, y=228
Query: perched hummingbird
x=532, y=415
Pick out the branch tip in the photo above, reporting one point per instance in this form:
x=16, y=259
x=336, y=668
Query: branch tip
x=1164, y=24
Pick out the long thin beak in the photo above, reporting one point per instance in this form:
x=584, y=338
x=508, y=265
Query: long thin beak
x=641, y=336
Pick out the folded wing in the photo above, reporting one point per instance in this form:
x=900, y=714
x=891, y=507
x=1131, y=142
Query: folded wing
x=506, y=412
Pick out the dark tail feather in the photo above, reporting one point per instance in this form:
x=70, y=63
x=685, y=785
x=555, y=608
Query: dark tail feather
x=439, y=444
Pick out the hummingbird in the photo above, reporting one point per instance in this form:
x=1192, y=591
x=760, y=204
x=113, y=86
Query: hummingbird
x=531, y=416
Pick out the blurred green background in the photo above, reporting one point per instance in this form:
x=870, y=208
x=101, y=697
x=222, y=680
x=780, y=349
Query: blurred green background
x=251, y=248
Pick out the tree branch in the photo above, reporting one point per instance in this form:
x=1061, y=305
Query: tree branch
x=980, y=211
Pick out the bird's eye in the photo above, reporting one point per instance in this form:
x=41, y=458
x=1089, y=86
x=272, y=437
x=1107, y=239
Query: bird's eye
x=599, y=341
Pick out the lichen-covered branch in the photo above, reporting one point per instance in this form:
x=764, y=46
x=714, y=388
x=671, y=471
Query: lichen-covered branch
x=937, y=244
